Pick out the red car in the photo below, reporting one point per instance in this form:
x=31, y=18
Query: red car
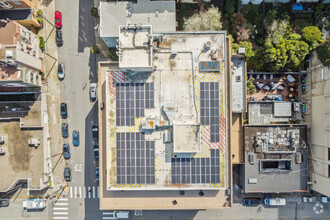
x=58, y=19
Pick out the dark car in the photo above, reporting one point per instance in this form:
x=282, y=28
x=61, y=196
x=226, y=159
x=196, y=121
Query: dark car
x=75, y=136
x=252, y=202
x=4, y=202
x=96, y=151
x=95, y=129
x=59, y=38
x=65, y=133
x=58, y=19
x=67, y=174
x=97, y=174
x=66, y=151
x=60, y=71
x=64, y=112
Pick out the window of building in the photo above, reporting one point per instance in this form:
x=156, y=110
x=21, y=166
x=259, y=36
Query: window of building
x=37, y=80
x=328, y=153
x=26, y=76
x=328, y=170
x=31, y=76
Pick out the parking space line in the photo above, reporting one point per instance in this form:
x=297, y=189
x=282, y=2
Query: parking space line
x=75, y=192
x=61, y=204
x=56, y=208
x=64, y=199
x=80, y=195
x=60, y=213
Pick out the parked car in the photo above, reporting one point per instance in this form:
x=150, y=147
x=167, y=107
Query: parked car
x=66, y=151
x=118, y=215
x=96, y=151
x=60, y=71
x=58, y=19
x=64, y=112
x=95, y=130
x=309, y=199
x=97, y=174
x=75, y=136
x=4, y=202
x=326, y=199
x=275, y=201
x=252, y=202
x=303, y=89
x=65, y=132
x=303, y=107
x=93, y=92
x=59, y=38
x=67, y=174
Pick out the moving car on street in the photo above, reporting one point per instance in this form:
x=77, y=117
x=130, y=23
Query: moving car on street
x=97, y=174
x=58, y=19
x=67, y=174
x=60, y=71
x=65, y=132
x=66, y=151
x=75, y=136
x=93, y=92
x=64, y=111
x=4, y=202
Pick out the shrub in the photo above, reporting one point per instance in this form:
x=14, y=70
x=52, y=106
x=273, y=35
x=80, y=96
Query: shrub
x=112, y=54
x=250, y=87
x=311, y=34
x=40, y=20
x=323, y=52
x=95, y=49
x=41, y=42
x=94, y=12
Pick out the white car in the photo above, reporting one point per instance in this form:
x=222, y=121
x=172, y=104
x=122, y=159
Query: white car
x=309, y=199
x=60, y=71
x=93, y=91
x=326, y=199
x=116, y=215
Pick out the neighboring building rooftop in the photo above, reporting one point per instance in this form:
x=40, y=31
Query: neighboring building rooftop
x=275, y=159
x=270, y=112
x=238, y=85
x=167, y=126
x=16, y=14
x=159, y=14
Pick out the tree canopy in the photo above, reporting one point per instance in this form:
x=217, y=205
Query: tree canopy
x=208, y=20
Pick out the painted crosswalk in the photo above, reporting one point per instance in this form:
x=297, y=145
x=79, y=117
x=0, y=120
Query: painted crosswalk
x=84, y=192
x=60, y=209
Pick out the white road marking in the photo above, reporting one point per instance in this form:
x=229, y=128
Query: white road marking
x=93, y=192
x=61, y=204
x=107, y=213
x=57, y=217
x=70, y=192
x=64, y=199
x=98, y=192
x=80, y=195
x=60, y=213
x=85, y=192
x=75, y=192
x=107, y=217
x=56, y=208
x=89, y=192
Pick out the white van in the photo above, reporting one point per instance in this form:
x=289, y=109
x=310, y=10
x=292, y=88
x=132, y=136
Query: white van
x=275, y=201
x=116, y=215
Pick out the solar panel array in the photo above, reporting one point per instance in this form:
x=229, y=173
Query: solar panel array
x=196, y=170
x=135, y=158
x=209, y=106
x=131, y=100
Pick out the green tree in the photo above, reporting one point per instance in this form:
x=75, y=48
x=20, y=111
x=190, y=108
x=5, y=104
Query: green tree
x=94, y=12
x=311, y=34
x=323, y=52
x=249, y=51
x=250, y=87
x=208, y=20
x=296, y=52
x=230, y=7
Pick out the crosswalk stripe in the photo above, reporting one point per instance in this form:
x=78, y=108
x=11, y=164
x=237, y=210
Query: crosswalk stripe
x=80, y=195
x=64, y=199
x=75, y=192
x=89, y=192
x=55, y=208
x=107, y=213
x=60, y=217
x=60, y=213
x=61, y=204
x=70, y=192
x=93, y=192
x=98, y=192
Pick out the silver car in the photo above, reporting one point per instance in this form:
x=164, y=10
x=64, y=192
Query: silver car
x=60, y=71
x=93, y=91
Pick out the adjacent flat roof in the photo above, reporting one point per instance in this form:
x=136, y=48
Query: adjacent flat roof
x=275, y=159
x=238, y=85
x=159, y=14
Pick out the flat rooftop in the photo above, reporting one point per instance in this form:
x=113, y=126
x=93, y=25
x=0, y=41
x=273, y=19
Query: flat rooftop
x=167, y=128
x=159, y=14
x=275, y=159
x=238, y=85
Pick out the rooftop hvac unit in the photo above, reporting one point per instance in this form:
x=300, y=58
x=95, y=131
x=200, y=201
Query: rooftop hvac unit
x=167, y=137
x=253, y=180
x=34, y=142
x=2, y=139
x=252, y=158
